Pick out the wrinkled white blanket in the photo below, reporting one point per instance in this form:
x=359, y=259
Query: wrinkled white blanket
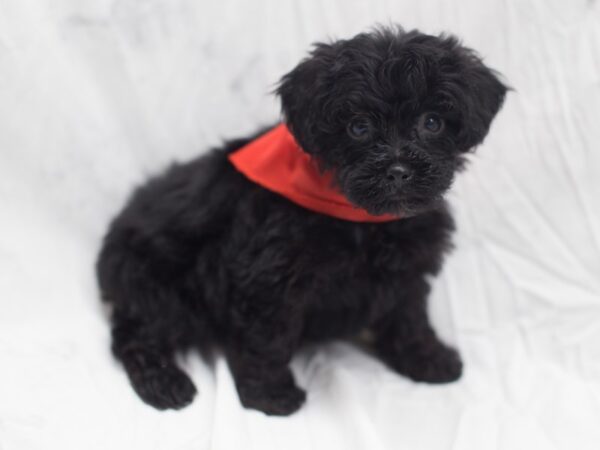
x=97, y=94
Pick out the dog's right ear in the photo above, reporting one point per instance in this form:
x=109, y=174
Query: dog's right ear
x=305, y=91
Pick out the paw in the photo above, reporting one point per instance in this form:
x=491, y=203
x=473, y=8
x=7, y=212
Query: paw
x=431, y=362
x=273, y=400
x=164, y=387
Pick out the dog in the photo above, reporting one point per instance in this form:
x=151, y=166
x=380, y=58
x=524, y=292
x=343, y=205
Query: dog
x=204, y=255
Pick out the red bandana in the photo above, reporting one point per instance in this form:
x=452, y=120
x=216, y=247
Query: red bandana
x=277, y=163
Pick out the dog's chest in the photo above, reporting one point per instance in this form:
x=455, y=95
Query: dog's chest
x=342, y=275
x=352, y=279
x=358, y=236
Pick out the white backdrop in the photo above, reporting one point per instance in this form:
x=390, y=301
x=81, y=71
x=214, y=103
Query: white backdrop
x=97, y=94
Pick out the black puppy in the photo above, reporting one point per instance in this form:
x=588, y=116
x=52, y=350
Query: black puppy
x=202, y=254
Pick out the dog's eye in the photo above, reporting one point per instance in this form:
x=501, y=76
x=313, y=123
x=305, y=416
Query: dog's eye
x=358, y=130
x=432, y=123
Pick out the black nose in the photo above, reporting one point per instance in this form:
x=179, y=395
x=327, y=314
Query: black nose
x=399, y=173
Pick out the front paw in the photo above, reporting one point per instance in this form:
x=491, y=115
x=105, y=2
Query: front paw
x=274, y=399
x=164, y=387
x=429, y=362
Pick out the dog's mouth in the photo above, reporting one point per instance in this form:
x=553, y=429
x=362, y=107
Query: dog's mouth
x=378, y=196
x=400, y=206
x=381, y=184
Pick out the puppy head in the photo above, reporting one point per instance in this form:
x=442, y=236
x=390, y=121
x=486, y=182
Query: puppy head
x=392, y=114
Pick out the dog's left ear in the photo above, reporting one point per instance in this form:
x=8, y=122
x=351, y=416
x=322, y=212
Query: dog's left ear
x=305, y=94
x=484, y=99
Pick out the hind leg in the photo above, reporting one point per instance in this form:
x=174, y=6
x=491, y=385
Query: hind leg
x=150, y=365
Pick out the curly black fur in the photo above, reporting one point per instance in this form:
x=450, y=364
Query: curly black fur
x=201, y=254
